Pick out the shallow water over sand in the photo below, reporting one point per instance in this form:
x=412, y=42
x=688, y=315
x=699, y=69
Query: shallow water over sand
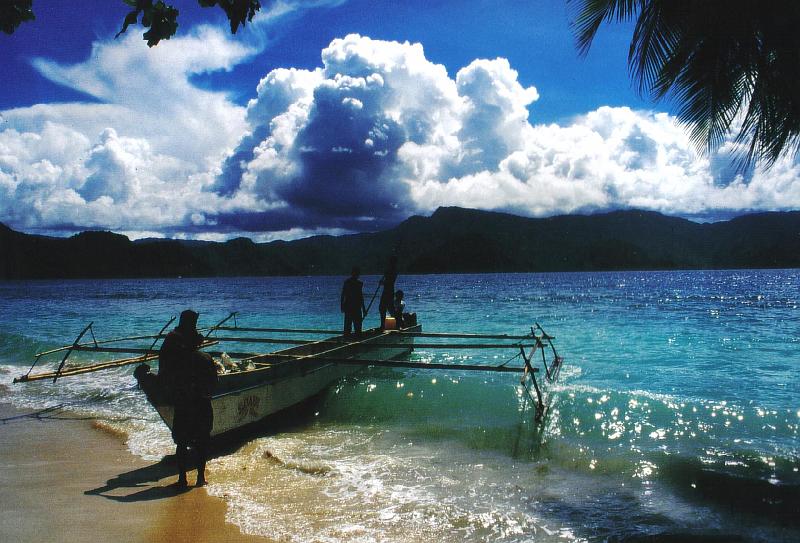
x=677, y=413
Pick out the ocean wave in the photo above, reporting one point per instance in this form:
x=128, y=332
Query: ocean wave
x=309, y=468
x=362, y=494
x=19, y=349
x=128, y=295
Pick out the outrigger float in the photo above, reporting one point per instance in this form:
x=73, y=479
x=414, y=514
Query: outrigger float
x=253, y=386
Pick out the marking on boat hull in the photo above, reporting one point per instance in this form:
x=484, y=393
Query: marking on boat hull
x=248, y=408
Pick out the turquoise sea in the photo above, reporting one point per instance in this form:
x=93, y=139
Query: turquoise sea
x=676, y=418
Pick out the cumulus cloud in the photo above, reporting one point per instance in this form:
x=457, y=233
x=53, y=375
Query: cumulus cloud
x=151, y=137
x=344, y=145
x=146, y=93
x=377, y=132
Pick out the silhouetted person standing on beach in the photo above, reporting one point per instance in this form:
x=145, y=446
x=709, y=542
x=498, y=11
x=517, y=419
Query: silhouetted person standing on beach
x=387, y=296
x=352, y=302
x=189, y=377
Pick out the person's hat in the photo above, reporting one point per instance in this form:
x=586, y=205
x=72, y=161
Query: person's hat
x=188, y=319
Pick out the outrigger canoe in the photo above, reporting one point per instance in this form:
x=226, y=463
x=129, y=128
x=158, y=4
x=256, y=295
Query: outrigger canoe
x=277, y=381
x=263, y=384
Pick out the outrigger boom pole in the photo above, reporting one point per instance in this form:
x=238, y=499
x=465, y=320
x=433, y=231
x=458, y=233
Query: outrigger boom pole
x=416, y=365
x=95, y=346
x=398, y=332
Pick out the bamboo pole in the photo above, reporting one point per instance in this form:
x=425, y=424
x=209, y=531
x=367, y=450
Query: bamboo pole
x=291, y=341
x=158, y=336
x=148, y=355
x=143, y=350
x=83, y=346
x=87, y=369
x=399, y=363
x=69, y=351
x=322, y=353
x=280, y=330
x=106, y=341
x=454, y=335
x=424, y=365
x=295, y=358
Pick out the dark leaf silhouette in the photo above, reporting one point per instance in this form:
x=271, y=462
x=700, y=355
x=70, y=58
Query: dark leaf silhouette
x=159, y=18
x=13, y=13
x=239, y=12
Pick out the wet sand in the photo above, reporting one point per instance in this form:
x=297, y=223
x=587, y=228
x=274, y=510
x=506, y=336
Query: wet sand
x=63, y=478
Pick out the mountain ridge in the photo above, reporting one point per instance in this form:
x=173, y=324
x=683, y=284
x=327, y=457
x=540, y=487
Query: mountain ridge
x=451, y=240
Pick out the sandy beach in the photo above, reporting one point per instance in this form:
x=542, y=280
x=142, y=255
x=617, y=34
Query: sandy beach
x=66, y=478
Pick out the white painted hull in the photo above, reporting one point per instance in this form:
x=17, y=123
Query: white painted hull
x=247, y=397
x=236, y=409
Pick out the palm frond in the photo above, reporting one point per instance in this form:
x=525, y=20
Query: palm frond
x=592, y=13
x=718, y=60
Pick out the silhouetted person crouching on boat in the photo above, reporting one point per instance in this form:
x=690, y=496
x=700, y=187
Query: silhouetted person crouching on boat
x=352, y=302
x=189, y=377
x=398, y=311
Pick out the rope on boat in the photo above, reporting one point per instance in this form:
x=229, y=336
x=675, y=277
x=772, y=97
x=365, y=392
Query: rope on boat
x=220, y=323
x=511, y=359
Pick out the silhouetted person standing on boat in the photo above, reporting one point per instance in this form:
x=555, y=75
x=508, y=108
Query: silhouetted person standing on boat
x=189, y=377
x=387, y=296
x=352, y=302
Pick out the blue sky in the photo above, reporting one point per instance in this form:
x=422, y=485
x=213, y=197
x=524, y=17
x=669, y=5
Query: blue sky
x=534, y=36
x=340, y=116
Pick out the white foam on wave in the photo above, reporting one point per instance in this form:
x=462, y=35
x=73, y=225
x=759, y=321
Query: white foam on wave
x=336, y=485
x=149, y=440
x=111, y=396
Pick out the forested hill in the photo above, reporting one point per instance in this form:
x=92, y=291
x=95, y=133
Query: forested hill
x=452, y=240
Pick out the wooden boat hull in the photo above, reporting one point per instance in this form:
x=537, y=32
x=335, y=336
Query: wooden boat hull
x=244, y=398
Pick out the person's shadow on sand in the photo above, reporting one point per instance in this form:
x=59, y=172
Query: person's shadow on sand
x=139, y=479
x=146, y=478
x=142, y=479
